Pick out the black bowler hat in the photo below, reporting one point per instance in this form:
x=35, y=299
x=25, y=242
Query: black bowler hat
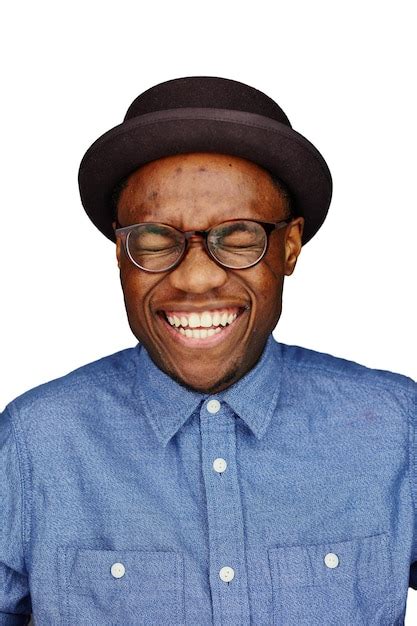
x=205, y=114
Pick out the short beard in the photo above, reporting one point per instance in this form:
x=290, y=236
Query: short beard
x=228, y=379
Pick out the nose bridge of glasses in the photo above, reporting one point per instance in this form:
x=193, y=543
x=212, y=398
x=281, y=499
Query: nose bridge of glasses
x=192, y=236
x=196, y=240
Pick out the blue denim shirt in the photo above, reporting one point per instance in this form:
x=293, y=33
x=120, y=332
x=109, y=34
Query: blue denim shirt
x=288, y=498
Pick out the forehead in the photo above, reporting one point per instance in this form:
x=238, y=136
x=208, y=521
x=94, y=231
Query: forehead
x=200, y=187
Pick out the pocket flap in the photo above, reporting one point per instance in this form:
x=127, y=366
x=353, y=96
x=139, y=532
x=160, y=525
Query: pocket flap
x=304, y=565
x=152, y=570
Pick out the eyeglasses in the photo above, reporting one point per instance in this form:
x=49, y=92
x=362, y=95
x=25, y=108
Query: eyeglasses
x=235, y=244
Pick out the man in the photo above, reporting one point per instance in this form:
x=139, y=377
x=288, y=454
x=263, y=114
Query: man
x=209, y=475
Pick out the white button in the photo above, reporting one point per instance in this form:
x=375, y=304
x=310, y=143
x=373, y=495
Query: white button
x=331, y=559
x=118, y=570
x=227, y=574
x=219, y=465
x=213, y=406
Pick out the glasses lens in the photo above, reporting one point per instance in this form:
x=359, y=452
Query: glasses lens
x=237, y=244
x=154, y=247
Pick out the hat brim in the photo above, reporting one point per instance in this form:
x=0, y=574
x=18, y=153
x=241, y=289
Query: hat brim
x=272, y=145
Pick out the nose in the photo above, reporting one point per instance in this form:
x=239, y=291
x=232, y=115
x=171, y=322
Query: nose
x=197, y=272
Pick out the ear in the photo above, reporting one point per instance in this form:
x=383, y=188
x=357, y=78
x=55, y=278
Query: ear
x=118, y=247
x=293, y=244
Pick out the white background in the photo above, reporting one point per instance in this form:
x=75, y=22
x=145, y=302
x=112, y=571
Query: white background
x=345, y=75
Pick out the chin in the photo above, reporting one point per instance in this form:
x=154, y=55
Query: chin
x=206, y=383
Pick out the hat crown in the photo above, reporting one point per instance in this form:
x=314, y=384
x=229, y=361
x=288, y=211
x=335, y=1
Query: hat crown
x=206, y=92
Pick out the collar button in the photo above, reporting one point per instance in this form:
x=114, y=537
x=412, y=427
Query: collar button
x=213, y=406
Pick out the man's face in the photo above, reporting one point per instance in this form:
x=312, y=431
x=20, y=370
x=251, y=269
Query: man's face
x=196, y=192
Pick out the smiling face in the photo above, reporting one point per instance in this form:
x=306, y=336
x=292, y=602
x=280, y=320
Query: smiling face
x=236, y=309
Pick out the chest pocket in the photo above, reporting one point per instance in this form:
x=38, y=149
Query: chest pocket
x=120, y=587
x=332, y=583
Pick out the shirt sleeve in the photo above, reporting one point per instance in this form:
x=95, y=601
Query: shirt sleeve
x=413, y=473
x=15, y=603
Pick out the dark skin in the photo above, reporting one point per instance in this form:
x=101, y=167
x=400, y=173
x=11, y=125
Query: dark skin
x=194, y=192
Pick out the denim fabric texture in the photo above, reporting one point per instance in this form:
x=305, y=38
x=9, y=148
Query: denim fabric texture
x=112, y=511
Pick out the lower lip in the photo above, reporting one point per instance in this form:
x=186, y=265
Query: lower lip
x=207, y=341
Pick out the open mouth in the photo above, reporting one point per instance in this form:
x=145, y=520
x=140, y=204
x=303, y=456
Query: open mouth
x=202, y=328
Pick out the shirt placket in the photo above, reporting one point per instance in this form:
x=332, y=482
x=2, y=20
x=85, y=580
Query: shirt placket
x=228, y=577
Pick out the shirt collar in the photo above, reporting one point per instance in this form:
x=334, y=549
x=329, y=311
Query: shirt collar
x=168, y=405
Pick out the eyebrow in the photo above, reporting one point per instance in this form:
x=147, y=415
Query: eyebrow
x=156, y=228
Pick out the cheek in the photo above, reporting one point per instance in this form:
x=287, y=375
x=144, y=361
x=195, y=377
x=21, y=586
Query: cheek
x=269, y=297
x=267, y=291
x=269, y=277
x=134, y=290
x=139, y=290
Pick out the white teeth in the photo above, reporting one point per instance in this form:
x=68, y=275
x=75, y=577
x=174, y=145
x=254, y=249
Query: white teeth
x=206, y=319
x=216, y=318
x=194, y=320
x=223, y=319
x=199, y=333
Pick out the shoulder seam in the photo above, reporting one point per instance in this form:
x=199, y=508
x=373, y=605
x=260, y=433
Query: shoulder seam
x=412, y=474
x=70, y=384
x=25, y=490
x=334, y=372
x=98, y=375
